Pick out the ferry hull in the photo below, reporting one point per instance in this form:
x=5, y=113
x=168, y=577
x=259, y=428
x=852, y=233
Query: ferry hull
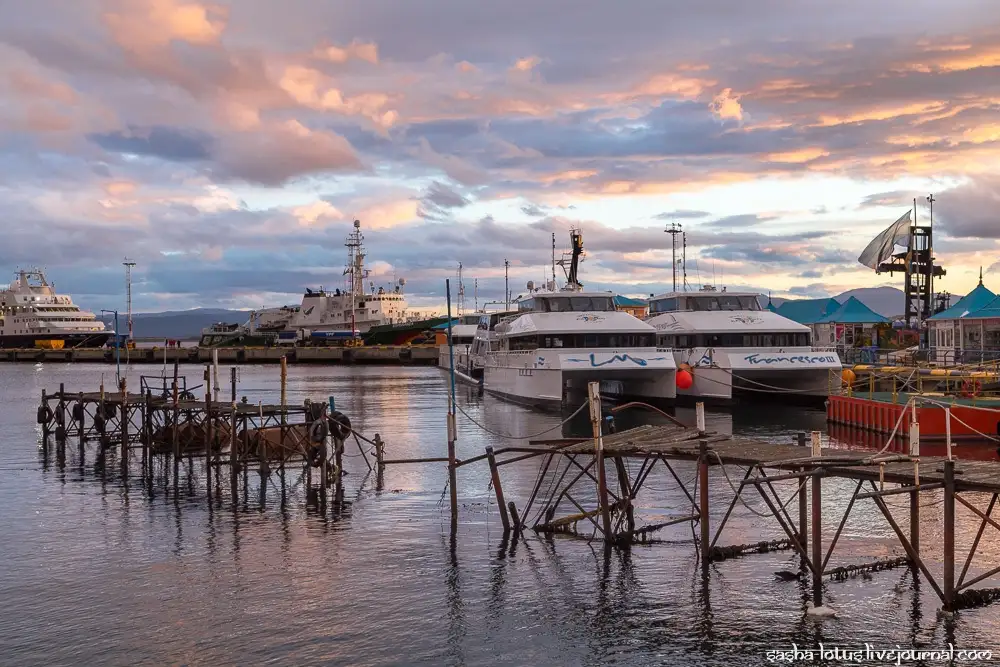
x=69, y=340
x=799, y=375
x=554, y=380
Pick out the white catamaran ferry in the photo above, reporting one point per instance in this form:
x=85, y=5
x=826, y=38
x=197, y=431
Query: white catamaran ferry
x=561, y=340
x=730, y=345
x=32, y=314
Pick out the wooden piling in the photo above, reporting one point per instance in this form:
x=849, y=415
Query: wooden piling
x=915, y=497
x=594, y=395
x=498, y=489
x=45, y=421
x=948, y=579
x=703, y=520
x=817, y=525
x=208, y=431
x=803, y=500
x=81, y=427
x=147, y=428
x=339, y=463
x=232, y=449
x=515, y=518
x=379, y=451
x=124, y=423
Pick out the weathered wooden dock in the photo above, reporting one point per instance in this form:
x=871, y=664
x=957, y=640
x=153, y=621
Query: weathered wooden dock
x=164, y=428
x=572, y=489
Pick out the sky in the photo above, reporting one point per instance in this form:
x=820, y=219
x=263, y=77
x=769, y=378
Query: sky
x=227, y=147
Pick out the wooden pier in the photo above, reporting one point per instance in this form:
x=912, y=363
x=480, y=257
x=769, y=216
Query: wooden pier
x=165, y=427
x=573, y=490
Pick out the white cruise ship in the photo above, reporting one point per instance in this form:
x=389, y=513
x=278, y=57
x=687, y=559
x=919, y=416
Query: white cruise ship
x=561, y=340
x=32, y=314
x=731, y=347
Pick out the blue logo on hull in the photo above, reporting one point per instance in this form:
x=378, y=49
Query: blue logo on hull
x=639, y=361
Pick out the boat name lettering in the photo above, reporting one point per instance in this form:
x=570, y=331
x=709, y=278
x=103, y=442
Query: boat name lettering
x=755, y=359
x=639, y=361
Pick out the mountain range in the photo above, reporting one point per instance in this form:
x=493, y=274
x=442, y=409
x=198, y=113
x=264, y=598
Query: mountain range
x=187, y=324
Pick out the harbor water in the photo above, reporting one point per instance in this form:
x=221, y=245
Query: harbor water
x=97, y=572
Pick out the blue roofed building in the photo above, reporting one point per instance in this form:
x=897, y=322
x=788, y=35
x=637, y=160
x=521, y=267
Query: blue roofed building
x=807, y=311
x=635, y=307
x=851, y=324
x=968, y=331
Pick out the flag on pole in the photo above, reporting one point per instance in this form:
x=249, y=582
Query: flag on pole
x=880, y=249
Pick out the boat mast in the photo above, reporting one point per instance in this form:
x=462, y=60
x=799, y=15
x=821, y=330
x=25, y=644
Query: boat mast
x=506, y=284
x=128, y=264
x=674, y=229
x=576, y=245
x=460, y=301
x=684, y=259
x=355, y=267
x=553, y=285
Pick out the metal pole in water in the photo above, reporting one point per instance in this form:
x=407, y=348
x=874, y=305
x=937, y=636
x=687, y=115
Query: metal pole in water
x=947, y=431
x=452, y=434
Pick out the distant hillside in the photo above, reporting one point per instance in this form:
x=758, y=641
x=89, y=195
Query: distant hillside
x=886, y=301
x=179, y=324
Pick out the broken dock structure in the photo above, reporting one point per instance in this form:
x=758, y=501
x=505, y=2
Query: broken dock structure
x=162, y=430
x=596, y=483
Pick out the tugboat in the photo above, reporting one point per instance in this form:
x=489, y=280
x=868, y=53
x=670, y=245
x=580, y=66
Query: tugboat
x=32, y=314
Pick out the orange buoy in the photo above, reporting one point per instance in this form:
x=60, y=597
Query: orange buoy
x=848, y=376
x=684, y=379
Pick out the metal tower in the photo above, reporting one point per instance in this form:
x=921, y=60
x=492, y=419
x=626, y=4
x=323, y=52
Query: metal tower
x=917, y=265
x=128, y=264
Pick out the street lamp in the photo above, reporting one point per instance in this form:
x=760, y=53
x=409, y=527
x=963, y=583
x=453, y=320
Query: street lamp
x=118, y=347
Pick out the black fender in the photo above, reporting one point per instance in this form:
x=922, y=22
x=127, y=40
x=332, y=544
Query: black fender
x=340, y=425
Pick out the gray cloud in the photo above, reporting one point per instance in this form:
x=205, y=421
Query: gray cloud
x=173, y=144
x=971, y=210
x=682, y=214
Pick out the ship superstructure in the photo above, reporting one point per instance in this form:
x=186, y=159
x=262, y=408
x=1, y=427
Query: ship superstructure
x=353, y=308
x=32, y=314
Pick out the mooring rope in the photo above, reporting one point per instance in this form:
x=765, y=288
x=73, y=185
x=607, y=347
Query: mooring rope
x=523, y=437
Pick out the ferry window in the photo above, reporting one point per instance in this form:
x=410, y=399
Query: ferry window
x=523, y=343
x=749, y=303
x=704, y=303
x=664, y=305
x=527, y=304
x=727, y=302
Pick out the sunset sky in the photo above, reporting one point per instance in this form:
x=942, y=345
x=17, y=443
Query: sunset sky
x=226, y=147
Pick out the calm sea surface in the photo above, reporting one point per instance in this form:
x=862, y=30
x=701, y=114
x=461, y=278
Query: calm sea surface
x=93, y=571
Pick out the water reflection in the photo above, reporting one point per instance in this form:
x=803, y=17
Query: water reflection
x=154, y=576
